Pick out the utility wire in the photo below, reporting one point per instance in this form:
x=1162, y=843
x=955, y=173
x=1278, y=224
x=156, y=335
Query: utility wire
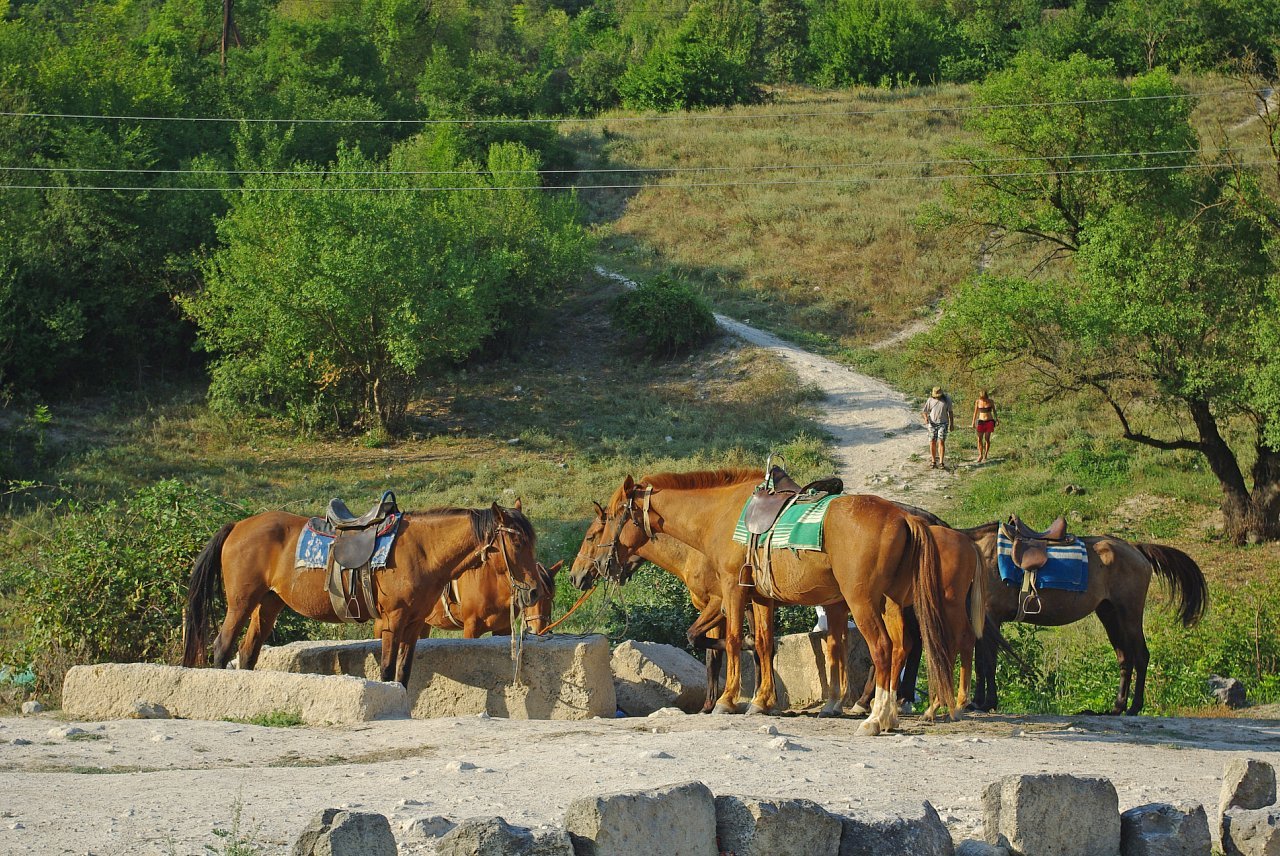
x=661, y=117
x=686, y=186
x=623, y=170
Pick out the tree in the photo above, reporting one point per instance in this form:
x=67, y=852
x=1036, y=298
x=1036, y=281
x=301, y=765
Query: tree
x=875, y=43
x=1162, y=307
x=331, y=295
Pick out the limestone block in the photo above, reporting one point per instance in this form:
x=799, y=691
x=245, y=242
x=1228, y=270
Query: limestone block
x=747, y=826
x=678, y=820
x=800, y=670
x=1160, y=829
x=925, y=835
x=561, y=677
x=1251, y=832
x=335, y=832
x=493, y=836
x=1247, y=783
x=974, y=847
x=648, y=676
x=113, y=691
x=1053, y=815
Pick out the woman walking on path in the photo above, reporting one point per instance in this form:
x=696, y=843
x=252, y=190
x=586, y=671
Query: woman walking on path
x=984, y=422
x=939, y=419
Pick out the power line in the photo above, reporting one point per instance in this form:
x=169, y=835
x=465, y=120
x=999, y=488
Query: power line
x=625, y=170
x=686, y=186
x=662, y=117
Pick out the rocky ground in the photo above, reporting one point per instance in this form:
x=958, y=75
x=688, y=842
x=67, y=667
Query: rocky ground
x=165, y=786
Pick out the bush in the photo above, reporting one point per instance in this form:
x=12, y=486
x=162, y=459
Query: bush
x=110, y=582
x=690, y=73
x=667, y=314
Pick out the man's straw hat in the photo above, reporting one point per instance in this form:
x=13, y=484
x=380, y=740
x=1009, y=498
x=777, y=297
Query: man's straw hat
x=937, y=392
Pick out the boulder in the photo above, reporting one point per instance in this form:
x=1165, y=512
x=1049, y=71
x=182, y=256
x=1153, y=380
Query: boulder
x=747, y=826
x=493, y=836
x=678, y=820
x=30, y=708
x=335, y=832
x=924, y=835
x=1251, y=832
x=1053, y=815
x=1228, y=691
x=650, y=676
x=560, y=678
x=974, y=847
x=1247, y=783
x=1160, y=829
x=112, y=690
x=800, y=670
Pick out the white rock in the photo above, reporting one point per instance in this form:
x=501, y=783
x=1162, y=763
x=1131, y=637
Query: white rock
x=30, y=708
x=768, y=729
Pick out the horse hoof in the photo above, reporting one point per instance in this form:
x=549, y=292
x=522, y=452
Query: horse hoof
x=755, y=710
x=834, y=713
x=906, y=708
x=723, y=709
x=956, y=716
x=869, y=728
x=859, y=710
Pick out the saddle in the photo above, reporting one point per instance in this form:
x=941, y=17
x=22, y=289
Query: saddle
x=779, y=490
x=354, y=542
x=1030, y=552
x=1031, y=546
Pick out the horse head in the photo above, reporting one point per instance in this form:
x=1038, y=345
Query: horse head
x=513, y=537
x=609, y=547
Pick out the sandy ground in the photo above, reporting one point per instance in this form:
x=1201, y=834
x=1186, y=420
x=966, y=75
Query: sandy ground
x=163, y=786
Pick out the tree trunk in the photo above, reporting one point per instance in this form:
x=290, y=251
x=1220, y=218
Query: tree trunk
x=1263, y=522
x=1241, y=517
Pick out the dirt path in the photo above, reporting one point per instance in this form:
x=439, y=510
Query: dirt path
x=162, y=787
x=878, y=439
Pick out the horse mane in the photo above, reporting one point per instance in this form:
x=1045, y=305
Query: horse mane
x=484, y=522
x=702, y=478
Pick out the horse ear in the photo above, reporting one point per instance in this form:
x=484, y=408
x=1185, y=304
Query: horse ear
x=599, y=509
x=518, y=505
x=497, y=511
x=628, y=485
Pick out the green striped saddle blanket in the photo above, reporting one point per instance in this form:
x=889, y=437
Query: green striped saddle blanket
x=799, y=527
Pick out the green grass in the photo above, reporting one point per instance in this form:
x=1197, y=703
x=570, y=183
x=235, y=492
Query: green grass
x=274, y=719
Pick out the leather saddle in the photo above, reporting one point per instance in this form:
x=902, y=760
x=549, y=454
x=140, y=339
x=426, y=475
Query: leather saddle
x=1031, y=546
x=355, y=538
x=779, y=490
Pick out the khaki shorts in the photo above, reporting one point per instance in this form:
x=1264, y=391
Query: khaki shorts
x=937, y=430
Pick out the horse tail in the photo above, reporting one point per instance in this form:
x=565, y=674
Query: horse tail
x=200, y=591
x=1182, y=575
x=978, y=594
x=929, y=610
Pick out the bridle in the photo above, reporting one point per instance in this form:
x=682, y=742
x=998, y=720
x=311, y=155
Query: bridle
x=606, y=563
x=521, y=591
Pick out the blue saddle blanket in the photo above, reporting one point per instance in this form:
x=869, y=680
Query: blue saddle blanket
x=316, y=541
x=1067, y=568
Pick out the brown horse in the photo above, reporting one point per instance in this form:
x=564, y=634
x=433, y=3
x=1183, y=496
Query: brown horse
x=479, y=602
x=614, y=549
x=255, y=558
x=1119, y=576
x=874, y=554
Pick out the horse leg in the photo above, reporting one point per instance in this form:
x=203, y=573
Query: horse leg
x=264, y=618
x=715, y=662
x=1113, y=623
x=764, y=698
x=733, y=603
x=966, y=676
x=471, y=629
x=387, y=664
x=406, y=646
x=1141, y=656
x=239, y=609
x=872, y=627
x=911, y=673
x=985, y=654
x=894, y=624
x=835, y=648
x=863, y=704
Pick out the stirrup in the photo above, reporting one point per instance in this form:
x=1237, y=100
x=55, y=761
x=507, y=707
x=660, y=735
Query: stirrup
x=746, y=566
x=1032, y=599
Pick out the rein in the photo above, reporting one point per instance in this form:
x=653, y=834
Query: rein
x=520, y=594
x=583, y=599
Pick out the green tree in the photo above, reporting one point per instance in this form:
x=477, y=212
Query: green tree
x=875, y=43
x=1161, y=306
x=689, y=73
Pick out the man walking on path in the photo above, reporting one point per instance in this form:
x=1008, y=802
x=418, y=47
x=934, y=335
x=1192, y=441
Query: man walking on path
x=938, y=419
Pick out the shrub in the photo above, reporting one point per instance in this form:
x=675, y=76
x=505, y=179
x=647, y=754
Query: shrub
x=667, y=314
x=110, y=582
x=690, y=73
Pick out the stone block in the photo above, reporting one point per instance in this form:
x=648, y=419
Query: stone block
x=648, y=676
x=493, y=836
x=748, y=826
x=1160, y=829
x=335, y=832
x=1247, y=783
x=1053, y=815
x=678, y=820
x=1251, y=831
x=114, y=690
x=923, y=835
x=561, y=677
x=974, y=847
x=800, y=670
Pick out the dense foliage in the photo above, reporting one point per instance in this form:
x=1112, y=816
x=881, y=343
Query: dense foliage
x=88, y=276
x=666, y=315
